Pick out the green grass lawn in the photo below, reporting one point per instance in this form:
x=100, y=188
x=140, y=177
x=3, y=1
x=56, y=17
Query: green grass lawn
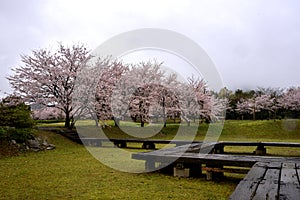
x=233, y=130
x=71, y=172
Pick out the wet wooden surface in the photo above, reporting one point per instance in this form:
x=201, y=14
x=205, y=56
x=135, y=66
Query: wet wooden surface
x=273, y=180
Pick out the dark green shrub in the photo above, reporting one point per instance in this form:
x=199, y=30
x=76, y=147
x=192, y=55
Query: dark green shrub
x=20, y=135
x=15, y=121
x=16, y=116
x=3, y=133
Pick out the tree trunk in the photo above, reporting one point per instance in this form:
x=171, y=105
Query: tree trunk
x=164, y=112
x=96, y=122
x=68, y=121
x=275, y=115
x=117, y=122
x=187, y=120
x=72, y=125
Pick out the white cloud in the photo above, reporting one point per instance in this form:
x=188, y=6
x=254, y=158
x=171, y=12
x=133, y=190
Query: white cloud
x=253, y=43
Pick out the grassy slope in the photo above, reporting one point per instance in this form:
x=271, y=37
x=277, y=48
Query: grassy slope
x=286, y=130
x=279, y=130
x=70, y=171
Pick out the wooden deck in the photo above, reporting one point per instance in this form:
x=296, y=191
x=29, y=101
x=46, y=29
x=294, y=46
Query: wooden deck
x=273, y=180
x=150, y=144
x=270, y=177
x=189, y=155
x=193, y=153
x=218, y=147
x=260, y=146
x=123, y=142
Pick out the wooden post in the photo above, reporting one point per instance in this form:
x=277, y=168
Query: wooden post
x=209, y=175
x=195, y=170
x=219, y=149
x=148, y=145
x=120, y=144
x=167, y=168
x=98, y=143
x=260, y=150
x=180, y=170
x=149, y=165
x=215, y=173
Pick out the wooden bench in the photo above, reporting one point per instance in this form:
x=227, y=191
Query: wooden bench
x=270, y=177
x=214, y=163
x=270, y=180
x=123, y=142
x=260, y=146
x=150, y=144
x=118, y=142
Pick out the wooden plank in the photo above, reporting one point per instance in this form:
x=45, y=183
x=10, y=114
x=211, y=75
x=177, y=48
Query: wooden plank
x=298, y=172
x=274, y=144
x=274, y=165
x=281, y=144
x=244, y=190
x=268, y=186
x=289, y=184
x=247, y=187
x=138, y=140
x=275, y=184
x=240, y=143
x=212, y=159
x=230, y=170
x=207, y=147
x=257, y=172
x=175, y=150
x=183, y=142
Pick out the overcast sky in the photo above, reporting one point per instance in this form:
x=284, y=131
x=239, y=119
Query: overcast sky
x=252, y=42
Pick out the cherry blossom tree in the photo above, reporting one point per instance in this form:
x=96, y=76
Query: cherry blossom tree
x=215, y=108
x=267, y=103
x=243, y=107
x=144, y=91
x=47, y=113
x=256, y=104
x=117, y=90
x=138, y=90
x=48, y=78
x=291, y=99
x=198, y=102
x=190, y=99
x=157, y=97
x=110, y=76
x=272, y=105
x=154, y=101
